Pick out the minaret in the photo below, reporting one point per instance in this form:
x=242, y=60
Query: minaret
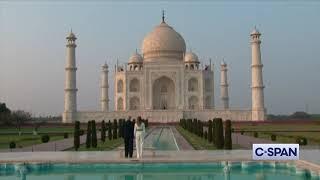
x=224, y=86
x=70, y=90
x=258, y=109
x=104, y=89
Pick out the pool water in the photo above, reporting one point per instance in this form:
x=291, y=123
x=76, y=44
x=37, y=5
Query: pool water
x=161, y=138
x=154, y=171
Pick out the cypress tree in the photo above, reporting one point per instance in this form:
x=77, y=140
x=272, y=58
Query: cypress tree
x=76, y=139
x=109, y=130
x=210, y=131
x=194, y=126
x=201, y=129
x=214, y=138
x=94, y=141
x=115, y=129
x=227, y=135
x=147, y=123
x=88, y=139
x=119, y=128
x=219, y=133
x=103, y=131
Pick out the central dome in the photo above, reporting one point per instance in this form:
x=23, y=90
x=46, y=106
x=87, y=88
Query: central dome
x=163, y=42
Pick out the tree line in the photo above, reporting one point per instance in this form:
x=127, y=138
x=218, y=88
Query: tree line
x=111, y=130
x=216, y=133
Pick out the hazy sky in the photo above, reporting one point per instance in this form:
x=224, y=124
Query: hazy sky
x=32, y=48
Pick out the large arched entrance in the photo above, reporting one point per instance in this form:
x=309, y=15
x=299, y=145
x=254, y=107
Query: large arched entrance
x=163, y=94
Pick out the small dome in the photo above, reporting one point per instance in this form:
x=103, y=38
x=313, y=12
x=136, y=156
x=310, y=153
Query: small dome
x=105, y=65
x=163, y=41
x=191, y=57
x=136, y=58
x=255, y=31
x=71, y=35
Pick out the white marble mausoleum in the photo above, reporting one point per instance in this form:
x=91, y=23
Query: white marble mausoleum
x=164, y=83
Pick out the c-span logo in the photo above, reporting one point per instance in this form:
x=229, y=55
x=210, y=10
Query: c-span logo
x=275, y=151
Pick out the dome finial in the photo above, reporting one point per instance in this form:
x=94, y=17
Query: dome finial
x=163, y=17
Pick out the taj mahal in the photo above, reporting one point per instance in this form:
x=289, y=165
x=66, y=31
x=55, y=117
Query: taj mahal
x=164, y=83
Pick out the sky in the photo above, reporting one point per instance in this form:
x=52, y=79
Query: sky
x=32, y=48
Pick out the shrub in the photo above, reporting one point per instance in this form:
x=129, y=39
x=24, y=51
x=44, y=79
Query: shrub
x=242, y=132
x=81, y=132
x=76, y=134
x=65, y=135
x=227, y=135
x=201, y=129
x=146, y=123
x=213, y=131
x=103, y=131
x=219, y=133
x=115, y=129
x=301, y=141
x=12, y=145
x=255, y=134
x=120, y=128
x=109, y=130
x=94, y=140
x=273, y=137
x=45, y=138
x=88, y=138
x=210, y=131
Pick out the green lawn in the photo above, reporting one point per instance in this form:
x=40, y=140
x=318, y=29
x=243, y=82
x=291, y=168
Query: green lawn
x=265, y=130
x=197, y=142
x=27, y=138
x=24, y=140
x=40, y=130
x=102, y=146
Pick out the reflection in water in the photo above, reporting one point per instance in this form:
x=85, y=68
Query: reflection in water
x=69, y=177
x=148, y=171
x=161, y=138
x=128, y=177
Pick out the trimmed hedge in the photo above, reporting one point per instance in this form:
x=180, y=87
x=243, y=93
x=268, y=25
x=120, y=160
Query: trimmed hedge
x=94, y=140
x=12, y=145
x=45, y=138
x=76, y=134
x=219, y=133
x=88, y=138
x=115, y=129
x=103, y=131
x=301, y=141
x=227, y=135
x=210, y=131
x=65, y=135
x=109, y=130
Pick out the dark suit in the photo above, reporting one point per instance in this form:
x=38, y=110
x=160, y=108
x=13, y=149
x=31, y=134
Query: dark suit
x=128, y=138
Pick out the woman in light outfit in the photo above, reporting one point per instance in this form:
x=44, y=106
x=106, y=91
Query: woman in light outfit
x=139, y=131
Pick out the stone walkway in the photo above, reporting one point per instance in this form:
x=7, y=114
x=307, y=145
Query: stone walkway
x=183, y=144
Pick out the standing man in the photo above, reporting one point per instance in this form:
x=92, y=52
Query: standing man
x=127, y=135
x=131, y=131
x=139, y=131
